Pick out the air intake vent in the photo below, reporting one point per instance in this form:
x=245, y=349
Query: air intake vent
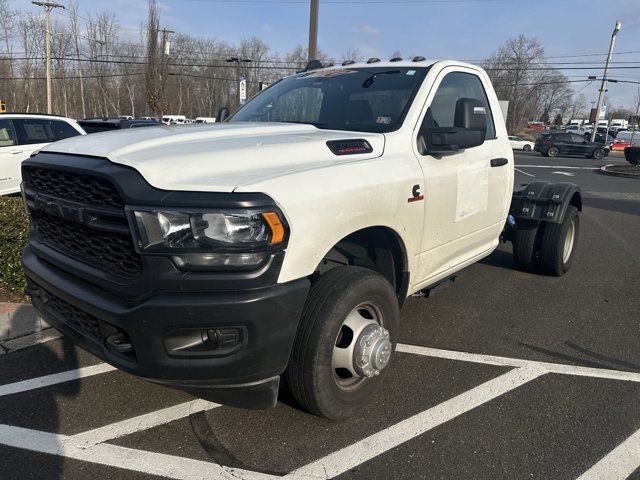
x=349, y=147
x=373, y=60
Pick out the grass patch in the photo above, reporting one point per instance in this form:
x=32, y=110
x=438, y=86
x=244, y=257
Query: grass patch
x=14, y=232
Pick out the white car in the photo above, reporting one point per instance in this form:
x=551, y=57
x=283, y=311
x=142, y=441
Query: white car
x=518, y=143
x=23, y=134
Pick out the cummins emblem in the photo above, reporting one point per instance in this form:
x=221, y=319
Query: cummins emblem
x=415, y=191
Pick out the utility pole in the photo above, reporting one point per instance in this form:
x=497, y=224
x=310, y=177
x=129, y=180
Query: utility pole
x=238, y=61
x=314, y=8
x=164, y=60
x=603, y=87
x=48, y=6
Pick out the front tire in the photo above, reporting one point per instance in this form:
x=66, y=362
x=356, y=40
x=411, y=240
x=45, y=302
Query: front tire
x=527, y=148
x=341, y=300
x=559, y=243
x=598, y=154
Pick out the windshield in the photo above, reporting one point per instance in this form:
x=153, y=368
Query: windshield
x=355, y=99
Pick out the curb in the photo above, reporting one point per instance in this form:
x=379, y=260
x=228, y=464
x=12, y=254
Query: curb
x=18, y=320
x=604, y=171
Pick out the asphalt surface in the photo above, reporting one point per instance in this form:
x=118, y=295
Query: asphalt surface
x=469, y=417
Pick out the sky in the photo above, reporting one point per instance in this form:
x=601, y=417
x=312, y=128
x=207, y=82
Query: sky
x=574, y=30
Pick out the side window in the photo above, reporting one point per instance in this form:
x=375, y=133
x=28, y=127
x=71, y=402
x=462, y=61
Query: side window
x=7, y=134
x=63, y=130
x=454, y=86
x=564, y=137
x=577, y=138
x=32, y=131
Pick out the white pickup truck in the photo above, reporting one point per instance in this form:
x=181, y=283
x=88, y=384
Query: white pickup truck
x=282, y=243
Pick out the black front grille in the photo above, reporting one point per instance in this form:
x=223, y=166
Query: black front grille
x=111, y=252
x=83, y=217
x=72, y=315
x=72, y=186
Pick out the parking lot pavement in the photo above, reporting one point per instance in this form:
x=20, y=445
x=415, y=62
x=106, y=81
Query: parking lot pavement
x=503, y=374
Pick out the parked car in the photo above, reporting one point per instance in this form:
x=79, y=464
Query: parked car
x=23, y=134
x=96, y=125
x=578, y=129
x=554, y=144
x=206, y=120
x=285, y=241
x=174, y=119
x=518, y=143
x=626, y=139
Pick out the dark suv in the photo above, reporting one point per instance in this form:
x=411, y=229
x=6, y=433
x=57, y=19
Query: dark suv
x=554, y=144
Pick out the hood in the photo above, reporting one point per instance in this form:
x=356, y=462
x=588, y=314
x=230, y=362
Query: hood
x=217, y=158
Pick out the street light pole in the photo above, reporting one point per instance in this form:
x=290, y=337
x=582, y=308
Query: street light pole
x=238, y=61
x=48, y=6
x=603, y=87
x=314, y=9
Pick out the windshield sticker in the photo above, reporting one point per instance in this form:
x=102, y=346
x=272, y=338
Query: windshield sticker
x=326, y=73
x=411, y=72
x=384, y=120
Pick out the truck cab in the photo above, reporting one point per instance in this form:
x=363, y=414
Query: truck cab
x=283, y=242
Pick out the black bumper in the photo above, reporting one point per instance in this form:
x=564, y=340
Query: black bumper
x=246, y=375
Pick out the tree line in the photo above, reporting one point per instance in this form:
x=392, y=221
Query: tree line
x=97, y=73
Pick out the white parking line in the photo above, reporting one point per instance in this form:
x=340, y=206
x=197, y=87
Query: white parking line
x=558, y=166
x=349, y=457
x=170, y=466
x=524, y=173
x=49, y=380
x=560, y=368
x=142, y=422
x=89, y=446
x=619, y=463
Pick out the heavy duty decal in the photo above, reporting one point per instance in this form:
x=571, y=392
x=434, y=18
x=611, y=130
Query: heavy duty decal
x=349, y=147
x=415, y=191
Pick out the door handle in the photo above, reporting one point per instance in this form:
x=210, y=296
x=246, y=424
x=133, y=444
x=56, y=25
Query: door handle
x=499, y=162
x=15, y=152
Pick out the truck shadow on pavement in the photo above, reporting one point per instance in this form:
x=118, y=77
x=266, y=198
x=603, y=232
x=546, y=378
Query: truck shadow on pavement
x=629, y=207
x=599, y=360
x=38, y=409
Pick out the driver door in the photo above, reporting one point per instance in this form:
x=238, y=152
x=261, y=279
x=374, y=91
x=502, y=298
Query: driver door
x=466, y=194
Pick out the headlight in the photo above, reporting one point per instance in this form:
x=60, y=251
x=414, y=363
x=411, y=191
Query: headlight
x=207, y=239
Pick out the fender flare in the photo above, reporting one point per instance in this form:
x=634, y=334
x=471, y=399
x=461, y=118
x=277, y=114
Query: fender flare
x=545, y=201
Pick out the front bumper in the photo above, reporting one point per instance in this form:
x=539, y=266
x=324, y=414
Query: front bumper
x=246, y=375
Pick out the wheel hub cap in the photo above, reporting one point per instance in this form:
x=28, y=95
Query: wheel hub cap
x=372, y=351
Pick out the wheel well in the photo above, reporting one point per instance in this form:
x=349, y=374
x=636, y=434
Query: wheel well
x=576, y=201
x=377, y=248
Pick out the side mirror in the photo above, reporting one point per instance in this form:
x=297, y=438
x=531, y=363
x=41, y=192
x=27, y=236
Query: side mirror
x=469, y=130
x=223, y=114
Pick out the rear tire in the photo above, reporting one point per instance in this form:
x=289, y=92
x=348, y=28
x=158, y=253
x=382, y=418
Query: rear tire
x=559, y=242
x=598, y=154
x=527, y=148
x=524, y=245
x=553, y=152
x=310, y=374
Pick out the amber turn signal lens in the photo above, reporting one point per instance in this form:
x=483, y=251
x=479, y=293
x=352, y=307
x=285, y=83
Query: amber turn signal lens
x=277, y=229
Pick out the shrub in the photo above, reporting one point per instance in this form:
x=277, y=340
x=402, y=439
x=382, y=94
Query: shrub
x=14, y=230
x=632, y=154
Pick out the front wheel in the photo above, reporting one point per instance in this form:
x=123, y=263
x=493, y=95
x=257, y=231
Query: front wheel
x=527, y=148
x=553, y=152
x=347, y=333
x=598, y=153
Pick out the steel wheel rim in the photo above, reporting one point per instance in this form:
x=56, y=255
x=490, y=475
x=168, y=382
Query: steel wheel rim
x=365, y=314
x=569, y=240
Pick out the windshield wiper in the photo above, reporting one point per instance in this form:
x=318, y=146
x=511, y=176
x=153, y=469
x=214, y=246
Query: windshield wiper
x=372, y=78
